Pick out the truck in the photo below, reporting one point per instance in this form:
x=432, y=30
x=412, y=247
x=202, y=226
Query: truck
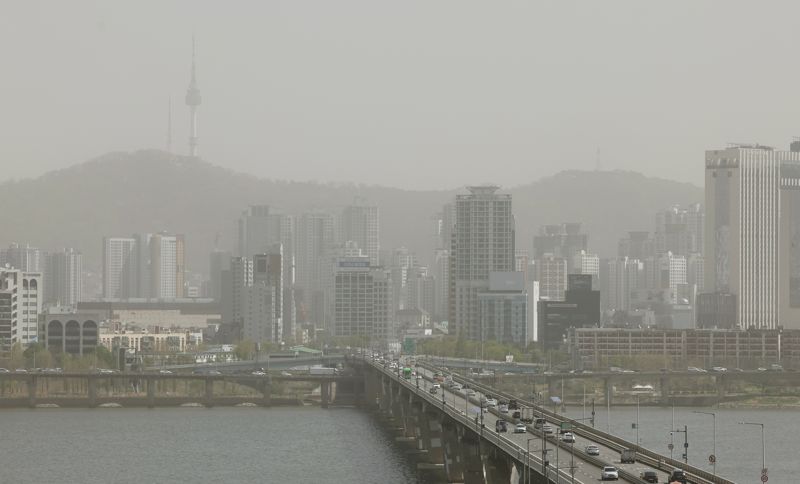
x=627, y=456
x=319, y=370
x=407, y=373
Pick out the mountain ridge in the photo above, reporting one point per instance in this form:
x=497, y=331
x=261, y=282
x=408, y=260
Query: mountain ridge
x=120, y=193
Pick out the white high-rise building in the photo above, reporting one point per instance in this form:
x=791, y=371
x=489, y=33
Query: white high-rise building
x=752, y=236
x=120, y=267
x=316, y=237
x=24, y=258
x=363, y=301
x=551, y=272
x=360, y=223
x=483, y=242
x=21, y=298
x=167, y=267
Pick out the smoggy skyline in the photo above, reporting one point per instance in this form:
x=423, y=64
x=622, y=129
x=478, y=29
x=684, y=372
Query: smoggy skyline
x=414, y=95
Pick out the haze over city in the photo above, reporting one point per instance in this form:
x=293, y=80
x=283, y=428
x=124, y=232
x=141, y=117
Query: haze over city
x=426, y=91
x=414, y=242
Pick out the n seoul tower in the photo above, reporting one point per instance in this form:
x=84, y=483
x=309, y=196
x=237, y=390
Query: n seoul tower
x=193, y=101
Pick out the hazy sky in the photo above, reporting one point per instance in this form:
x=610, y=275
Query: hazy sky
x=412, y=93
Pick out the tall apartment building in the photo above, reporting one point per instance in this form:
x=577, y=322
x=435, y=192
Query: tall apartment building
x=752, y=236
x=120, y=267
x=362, y=306
x=638, y=245
x=482, y=242
x=21, y=298
x=564, y=240
x=24, y=258
x=680, y=230
x=441, y=275
x=551, y=272
x=625, y=276
x=62, y=278
x=360, y=223
x=218, y=261
x=260, y=228
x=316, y=237
x=167, y=266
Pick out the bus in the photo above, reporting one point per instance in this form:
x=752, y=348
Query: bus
x=407, y=373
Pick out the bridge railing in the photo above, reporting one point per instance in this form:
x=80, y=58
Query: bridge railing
x=511, y=448
x=647, y=456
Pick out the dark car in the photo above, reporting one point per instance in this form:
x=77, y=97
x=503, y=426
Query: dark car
x=678, y=476
x=649, y=476
x=501, y=426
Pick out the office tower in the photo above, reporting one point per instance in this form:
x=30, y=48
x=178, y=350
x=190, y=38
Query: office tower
x=679, y=231
x=638, y=245
x=564, y=240
x=522, y=262
x=695, y=271
x=625, y=276
x=268, y=271
x=167, y=266
x=551, y=272
x=360, y=224
x=120, y=268
x=24, y=258
x=259, y=229
x=579, y=309
x=316, y=237
x=362, y=296
x=483, y=242
x=218, y=261
x=62, y=278
x=21, y=294
x=402, y=263
x=441, y=275
x=193, y=100
x=235, y=279
x=446, y=219
x=752, y=237
x=504, y=309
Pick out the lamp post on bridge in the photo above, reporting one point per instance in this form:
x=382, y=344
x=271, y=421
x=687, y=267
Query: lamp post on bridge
x=763, y=449
x=713, y=457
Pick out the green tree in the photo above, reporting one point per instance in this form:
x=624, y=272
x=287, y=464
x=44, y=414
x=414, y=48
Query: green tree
x=245, y=349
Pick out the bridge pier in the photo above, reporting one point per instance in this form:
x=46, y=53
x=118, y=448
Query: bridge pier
x=151, y=393
x=473, y=461
x=266, y=392
x=431, y=434
x=208, y=399
x=453, y=463
x=372, y=390
x=325, y=394
x=91, y=391
x=32, y=381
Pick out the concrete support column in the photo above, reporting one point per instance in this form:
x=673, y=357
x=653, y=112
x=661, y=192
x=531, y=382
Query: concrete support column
x=266, y=392
x=453, y=463
x=209, y=395
x=474, y=471
x=92, y=391
x=151, y=393
x=32, y=381
x=371, y=390
x=325, y=394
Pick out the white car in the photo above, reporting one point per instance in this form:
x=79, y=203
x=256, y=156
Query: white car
x=520, y=429
x=568, y=438
x=163, y=372
x=547, y=429
x=258, y=373
x=491, y=402
x=502, y=408
x=609, y=473
x=592, y=450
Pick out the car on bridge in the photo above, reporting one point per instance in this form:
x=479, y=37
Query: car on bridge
x=649, y=476
x=592, y=450
x=678, y=476
x=547, y=429
x=568, y=437
x=501, y=426
x=609, y=473
x=520, y=429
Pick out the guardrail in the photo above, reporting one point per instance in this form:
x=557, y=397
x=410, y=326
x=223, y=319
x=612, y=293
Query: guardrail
x=695, y=475
x=509, y=447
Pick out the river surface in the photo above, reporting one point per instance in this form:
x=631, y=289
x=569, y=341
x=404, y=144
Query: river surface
x=198, y=446
x=333, y=446
x=738, y=447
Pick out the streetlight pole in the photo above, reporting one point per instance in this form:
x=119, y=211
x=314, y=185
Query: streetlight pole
x=637, y=422
x=763, y=446
x=528, y=460
x=714, y=437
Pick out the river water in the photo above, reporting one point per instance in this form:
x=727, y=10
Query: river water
x=333, y=446
x=198, y=445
